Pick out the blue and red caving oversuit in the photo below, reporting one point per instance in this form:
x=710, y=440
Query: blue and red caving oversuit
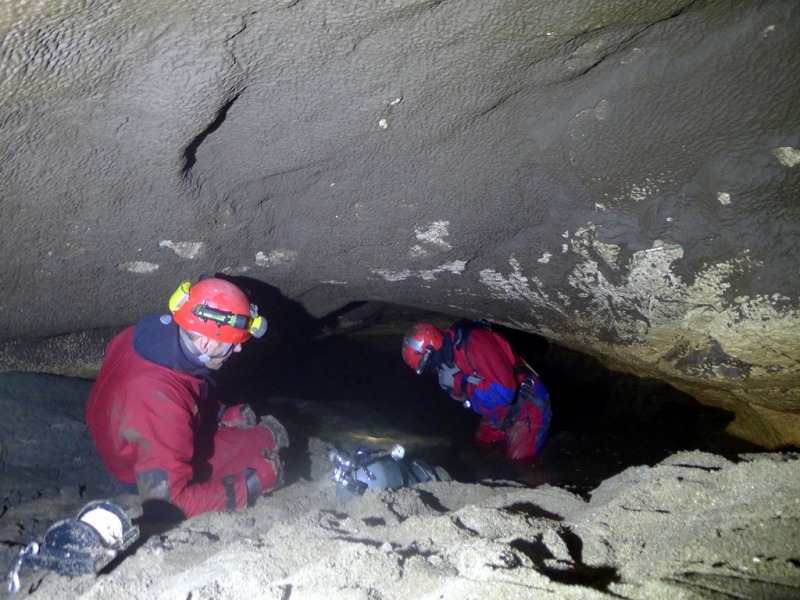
x=493, y=378
x=155, y=427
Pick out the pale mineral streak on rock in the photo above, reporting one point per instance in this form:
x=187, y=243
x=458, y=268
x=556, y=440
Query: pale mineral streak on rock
x=238, y=270
x=138, y=266
x=675, y=331
x=432, y=239
x=787, y=156
x=185, y=249
x=516, y=287
x=455, y=267
x=276, y=258
x=393, y=275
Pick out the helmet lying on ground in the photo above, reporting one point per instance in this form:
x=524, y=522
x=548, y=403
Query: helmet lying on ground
x=378, y=469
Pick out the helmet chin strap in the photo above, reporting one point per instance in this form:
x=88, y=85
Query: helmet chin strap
x=197, y=353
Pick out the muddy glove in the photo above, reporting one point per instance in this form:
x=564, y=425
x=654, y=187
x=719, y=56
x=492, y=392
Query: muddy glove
x=240, y=416
x=447, y=374
x=279, y=433
x=265, y=474
x=462, y=393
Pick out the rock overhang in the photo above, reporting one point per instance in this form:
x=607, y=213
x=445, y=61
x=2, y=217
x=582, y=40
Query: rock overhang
x=621, y=180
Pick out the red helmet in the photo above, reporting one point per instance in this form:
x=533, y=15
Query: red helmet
x=420, y=341
x=216, y=309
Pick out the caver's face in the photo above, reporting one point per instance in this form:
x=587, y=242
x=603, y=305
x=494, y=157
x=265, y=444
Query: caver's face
x=218, y=351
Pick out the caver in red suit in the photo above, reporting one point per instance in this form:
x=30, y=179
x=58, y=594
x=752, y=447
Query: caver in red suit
x=479, y=367
x=152, y=420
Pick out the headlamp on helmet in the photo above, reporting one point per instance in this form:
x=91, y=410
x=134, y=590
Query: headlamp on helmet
x=216, y=309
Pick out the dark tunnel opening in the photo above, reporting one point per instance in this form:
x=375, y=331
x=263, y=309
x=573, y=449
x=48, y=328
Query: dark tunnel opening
x=344, y=376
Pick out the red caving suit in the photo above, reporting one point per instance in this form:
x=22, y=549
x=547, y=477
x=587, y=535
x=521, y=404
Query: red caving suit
x=154, y=425
x=486, y=354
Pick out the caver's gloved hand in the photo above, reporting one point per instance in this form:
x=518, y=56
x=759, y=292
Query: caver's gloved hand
x=279, y=432
x=265, y=474
x=240, y=416
x=447, y=373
